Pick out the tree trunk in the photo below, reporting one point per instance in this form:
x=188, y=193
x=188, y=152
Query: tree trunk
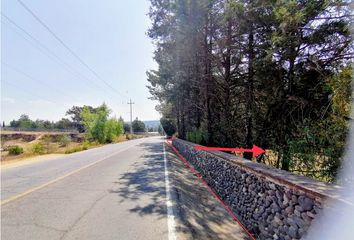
x=208, y=76
x=250, y=97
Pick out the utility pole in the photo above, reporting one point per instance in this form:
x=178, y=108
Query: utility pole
x=131, y=116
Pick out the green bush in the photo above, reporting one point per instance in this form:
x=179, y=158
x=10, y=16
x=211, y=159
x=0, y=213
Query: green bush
x=113, y=128
x=98, y=127
x=15, y=150
x=64, y=140
x=38, y=148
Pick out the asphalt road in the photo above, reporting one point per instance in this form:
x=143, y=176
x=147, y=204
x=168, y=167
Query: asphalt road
x=113, y=192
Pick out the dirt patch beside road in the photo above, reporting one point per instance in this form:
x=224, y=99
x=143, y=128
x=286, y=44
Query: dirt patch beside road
x=34, y=144
x=50, y=143
x=22, y=161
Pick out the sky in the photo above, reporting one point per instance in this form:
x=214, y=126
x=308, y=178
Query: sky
x=44, y=79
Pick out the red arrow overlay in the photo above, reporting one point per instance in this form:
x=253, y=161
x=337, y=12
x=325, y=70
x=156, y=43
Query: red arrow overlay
x=255, y=150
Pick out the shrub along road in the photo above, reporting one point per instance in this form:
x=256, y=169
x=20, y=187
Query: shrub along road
x=116, y=191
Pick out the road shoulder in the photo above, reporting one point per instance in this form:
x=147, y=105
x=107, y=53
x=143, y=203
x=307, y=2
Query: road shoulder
x=29, y=160
x=198, y=214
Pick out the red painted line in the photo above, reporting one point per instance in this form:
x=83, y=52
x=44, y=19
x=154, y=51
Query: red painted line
x=255, y=150
x=196, y=173
x=223, y=149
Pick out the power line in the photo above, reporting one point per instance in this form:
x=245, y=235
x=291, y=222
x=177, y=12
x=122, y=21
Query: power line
x=27, y=92
x=51, y=54
x=68, y=48
x=34, y=79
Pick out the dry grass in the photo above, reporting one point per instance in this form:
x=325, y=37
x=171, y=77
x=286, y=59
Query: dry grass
x=50, y=144
x=27, y=141
x=121, y=138
x=49, y=148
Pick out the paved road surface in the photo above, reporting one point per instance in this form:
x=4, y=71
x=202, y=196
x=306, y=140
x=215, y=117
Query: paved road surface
x=114, y=192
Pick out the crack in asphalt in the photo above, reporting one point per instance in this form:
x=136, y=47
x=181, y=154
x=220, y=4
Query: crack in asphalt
x=83, y=215
x=48, y=227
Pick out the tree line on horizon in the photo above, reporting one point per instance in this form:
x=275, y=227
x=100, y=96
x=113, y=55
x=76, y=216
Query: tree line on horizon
x=273, y=73
x=94, y=121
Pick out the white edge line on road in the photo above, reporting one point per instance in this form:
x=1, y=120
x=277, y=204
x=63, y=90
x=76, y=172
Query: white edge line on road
x=170, y=217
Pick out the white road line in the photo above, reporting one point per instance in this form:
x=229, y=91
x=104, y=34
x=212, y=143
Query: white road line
x=170, y=217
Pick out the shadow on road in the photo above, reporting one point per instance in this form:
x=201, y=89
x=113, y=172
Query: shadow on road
x=145, y=182
x=198, y=214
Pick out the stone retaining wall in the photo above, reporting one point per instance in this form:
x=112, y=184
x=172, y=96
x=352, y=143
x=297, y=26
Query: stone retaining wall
x=271, y=203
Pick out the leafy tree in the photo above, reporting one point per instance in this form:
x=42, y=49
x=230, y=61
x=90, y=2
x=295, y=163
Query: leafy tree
x=64, y=123
x=113, y=128
x=76, y=115
x=138, y=126
x=317, y=146
x=94, y=123
x=23, y=122
x=97, y=125
x=43, y=124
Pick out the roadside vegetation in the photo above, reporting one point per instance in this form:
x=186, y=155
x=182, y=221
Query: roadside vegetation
x=92, y=127
x=15, y=150
x=21, y=145
x=272, y=73
x=98, y=127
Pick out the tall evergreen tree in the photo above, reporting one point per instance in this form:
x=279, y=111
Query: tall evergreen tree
x=242, y=72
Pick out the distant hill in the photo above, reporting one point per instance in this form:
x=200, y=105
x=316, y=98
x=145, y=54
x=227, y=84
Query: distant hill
x=152, y=123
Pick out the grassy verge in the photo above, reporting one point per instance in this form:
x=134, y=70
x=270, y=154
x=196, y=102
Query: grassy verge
x=22, y=149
